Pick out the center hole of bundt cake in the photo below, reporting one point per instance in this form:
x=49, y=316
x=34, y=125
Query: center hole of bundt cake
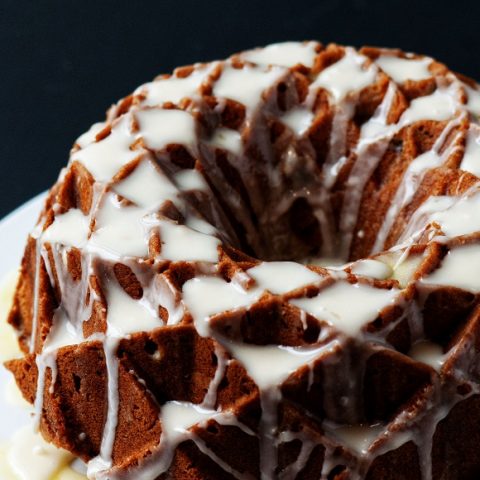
x=308, y=241
x=295, y=235
x=289, y=208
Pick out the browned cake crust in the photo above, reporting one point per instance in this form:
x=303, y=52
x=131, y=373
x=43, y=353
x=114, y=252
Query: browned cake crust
x=427, y=420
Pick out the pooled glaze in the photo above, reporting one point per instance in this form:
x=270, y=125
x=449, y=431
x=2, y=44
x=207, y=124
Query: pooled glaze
x=45, y=460
x=26, y=451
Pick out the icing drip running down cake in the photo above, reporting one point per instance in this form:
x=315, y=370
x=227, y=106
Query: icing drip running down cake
x=173, y=310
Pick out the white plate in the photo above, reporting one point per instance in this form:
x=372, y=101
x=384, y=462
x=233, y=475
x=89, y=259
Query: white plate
x=14, y=229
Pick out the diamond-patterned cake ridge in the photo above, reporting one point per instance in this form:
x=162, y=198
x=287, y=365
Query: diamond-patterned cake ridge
x=264, y=267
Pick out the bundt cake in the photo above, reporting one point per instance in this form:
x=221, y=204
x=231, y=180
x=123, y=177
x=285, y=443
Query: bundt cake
x=265, y=268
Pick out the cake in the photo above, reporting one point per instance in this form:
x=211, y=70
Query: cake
x=264, y=268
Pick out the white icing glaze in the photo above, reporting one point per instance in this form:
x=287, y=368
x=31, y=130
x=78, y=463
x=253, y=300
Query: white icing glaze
x=423, y=214
x=402, y=265
x=402, y=69
x=126, y=315
x=458, y=269
x=190, y=180
x=89, y=136
x=270, y=365
x=372, y=268
x=105, y=158
x=120, y=230
x=104, y=460
x=345, y=76
x=62, y=333
x=146, y=186
x=160, y=128
x=201, y=226
x=177, y=417
x=473, y=99
x=182, y=243
x=405, y=268
x=227, y=139
x=246, y=85
x=79, y=467
x=172, y=89
x=207, y=296
x=44, y=362
x=461, y=218
x=30, y=457
x=363, y=305
x=440, y=105
x=423, y=162
x=286, y=54
x=471, y=158
x=281, y=277
x=298, y=119
x=70, y=228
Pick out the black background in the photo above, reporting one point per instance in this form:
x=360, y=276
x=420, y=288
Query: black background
x=64, y=62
